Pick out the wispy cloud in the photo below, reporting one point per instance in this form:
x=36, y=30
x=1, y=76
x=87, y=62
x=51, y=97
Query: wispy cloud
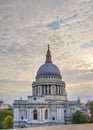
x=26, y=27
x=13, y=89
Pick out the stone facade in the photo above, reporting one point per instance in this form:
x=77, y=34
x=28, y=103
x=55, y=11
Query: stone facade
x=48, y=104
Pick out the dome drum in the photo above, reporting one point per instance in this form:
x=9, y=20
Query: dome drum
x=48, y=76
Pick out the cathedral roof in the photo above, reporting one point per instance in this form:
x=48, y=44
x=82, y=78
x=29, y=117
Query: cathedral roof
x=48, y=68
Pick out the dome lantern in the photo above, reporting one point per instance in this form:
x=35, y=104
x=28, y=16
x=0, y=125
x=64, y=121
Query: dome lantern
x=48, y=68
x=48, y=56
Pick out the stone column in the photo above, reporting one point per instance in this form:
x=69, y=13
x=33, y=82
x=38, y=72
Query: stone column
x=51, y=89
x=36, y=90
x=31, y=114
x=61, y=90
x=47, y=89
x=40, y=89
x=28, y=114
x=40, y=110
x=57, y=90
x=32, y=90
x=44, y=89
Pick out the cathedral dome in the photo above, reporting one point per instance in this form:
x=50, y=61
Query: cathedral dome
x=48, y=68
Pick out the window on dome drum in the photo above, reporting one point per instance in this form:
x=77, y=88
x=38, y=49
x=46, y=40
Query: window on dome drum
x=35, y=114
x=46, y=114
x=56, y=89
x=59, y=90
x=49, y=89
x=45, y=89
x=42, y=89
x=53, y=89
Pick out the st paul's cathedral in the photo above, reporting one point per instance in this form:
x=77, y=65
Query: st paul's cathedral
x=48, y=103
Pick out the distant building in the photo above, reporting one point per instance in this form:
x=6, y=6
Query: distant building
x=5, y=106
x=48, y=103
x=1, y=102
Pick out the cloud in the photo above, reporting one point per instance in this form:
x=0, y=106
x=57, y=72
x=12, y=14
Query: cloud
x=87, y=45
x=76, y=76
x=26, y=27
x=14, y=89
x=83, y=90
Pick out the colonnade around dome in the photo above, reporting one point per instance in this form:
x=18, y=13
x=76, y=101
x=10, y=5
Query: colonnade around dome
x=48, y=89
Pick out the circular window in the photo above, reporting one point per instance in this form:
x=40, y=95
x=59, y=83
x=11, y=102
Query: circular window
x=34, y=98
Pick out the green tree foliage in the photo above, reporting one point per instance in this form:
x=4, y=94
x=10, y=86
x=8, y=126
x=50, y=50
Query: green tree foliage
x=4, y=113
x=1, y=125
x=8, y=122
x=79, y=118
x=91, y=109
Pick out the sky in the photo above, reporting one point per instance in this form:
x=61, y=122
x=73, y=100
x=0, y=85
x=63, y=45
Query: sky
x=27, y=27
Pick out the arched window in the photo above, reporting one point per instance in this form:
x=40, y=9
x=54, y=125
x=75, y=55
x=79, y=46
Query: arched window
x=21, y=117
x=35, y=114
x=46, y=114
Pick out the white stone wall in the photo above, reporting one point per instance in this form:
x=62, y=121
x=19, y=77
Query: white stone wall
x=16, y=114
x=60, y=114
x=34, y=99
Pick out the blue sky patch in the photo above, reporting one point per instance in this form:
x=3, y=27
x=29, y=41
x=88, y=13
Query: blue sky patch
x=55, y=25
x=87, y=45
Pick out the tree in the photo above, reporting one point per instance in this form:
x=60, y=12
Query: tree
x=91, y=109
x=4, y=113
x=1, y=125
x=8, y=122
x=79, y=118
